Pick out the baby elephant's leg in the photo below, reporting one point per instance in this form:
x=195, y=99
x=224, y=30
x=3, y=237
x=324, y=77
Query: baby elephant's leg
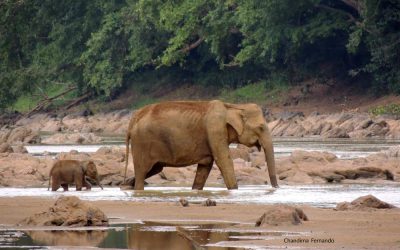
x=78, y=182
x=65, y=186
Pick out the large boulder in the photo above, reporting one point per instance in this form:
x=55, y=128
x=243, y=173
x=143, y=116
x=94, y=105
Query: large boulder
x=6, y=148
x=20, y=149
x=364, y=203
x=277, y=215
x=68, y=211
x=24, y=170
x=19, y=135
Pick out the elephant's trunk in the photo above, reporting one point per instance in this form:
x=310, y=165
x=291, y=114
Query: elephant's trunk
x=266, y=143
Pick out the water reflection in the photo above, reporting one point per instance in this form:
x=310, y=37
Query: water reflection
x=67, y=238
x=153, y=235
x=149, y=235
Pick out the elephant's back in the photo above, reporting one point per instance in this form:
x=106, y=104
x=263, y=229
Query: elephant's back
x=62, y=165
x=179, y=114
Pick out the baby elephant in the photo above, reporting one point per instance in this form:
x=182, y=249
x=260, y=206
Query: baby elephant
x=66, y=172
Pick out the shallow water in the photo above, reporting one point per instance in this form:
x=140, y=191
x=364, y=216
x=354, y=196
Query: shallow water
x=343, y=148
x=147, y=235
x=327, y=195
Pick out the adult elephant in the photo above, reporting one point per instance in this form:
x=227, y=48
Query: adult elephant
x=183, y=133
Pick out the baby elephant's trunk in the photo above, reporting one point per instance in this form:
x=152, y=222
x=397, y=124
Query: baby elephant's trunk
x=98, y=182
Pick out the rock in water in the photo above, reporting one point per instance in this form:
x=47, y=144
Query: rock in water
x=184, y=202
x=68, y=211
x=209, y=203
x=277, y=215
x=364, y=203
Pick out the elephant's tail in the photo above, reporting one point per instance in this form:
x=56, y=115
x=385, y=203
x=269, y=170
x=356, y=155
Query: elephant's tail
x=51, y=174
x=48, y=188
x=127, y=139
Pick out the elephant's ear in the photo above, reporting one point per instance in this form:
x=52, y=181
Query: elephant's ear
x=234, y=117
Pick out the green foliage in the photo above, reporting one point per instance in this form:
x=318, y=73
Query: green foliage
x=391, y=109
x=26, y=102
x=255, y=92
x=260, y=92
x=100, y=46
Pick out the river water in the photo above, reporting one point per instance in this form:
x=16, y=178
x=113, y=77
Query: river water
x=343, y=148
x=315, y=195
x=325, y=196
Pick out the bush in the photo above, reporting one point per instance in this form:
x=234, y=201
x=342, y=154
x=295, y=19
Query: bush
x=391, y=109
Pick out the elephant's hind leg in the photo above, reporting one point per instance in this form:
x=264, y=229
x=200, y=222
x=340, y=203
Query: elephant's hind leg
x=55, y=185
x=203, y=170
x=157, y=168
x=140, y=175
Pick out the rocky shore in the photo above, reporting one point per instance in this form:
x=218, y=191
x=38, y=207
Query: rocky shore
x=337, y=125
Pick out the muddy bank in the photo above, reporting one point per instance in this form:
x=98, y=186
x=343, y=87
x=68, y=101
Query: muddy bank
x=301, y=167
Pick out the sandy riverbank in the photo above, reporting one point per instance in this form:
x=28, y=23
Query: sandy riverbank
x=374, y=229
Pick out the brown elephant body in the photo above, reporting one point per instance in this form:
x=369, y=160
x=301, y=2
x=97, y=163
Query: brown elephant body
x=195, y=132
x=65, y=172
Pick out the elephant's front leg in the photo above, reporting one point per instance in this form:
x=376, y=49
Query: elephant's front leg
x=217, y=134
x=225, y=165
x=220, y=151
x=202, y=173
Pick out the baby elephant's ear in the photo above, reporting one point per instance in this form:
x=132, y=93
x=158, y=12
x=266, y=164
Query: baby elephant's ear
x=84, y=166
x=91, y=166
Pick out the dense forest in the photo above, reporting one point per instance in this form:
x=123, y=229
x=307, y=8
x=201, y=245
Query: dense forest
x=98, y=48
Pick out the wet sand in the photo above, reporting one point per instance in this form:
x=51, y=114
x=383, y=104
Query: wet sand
x=377, y=229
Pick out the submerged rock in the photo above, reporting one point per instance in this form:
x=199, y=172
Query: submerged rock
x=277, y=215
x=68, y=211
x=364, y=203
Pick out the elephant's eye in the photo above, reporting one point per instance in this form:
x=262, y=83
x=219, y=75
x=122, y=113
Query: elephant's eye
x=261, y=127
